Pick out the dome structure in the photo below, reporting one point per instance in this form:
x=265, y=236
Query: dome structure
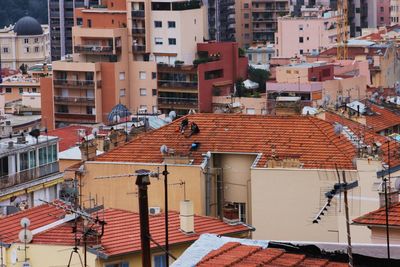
x=119, y=111
x=28, y=26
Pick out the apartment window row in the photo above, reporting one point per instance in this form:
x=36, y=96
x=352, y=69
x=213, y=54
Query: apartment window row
x=159, y=41
x=158, y=24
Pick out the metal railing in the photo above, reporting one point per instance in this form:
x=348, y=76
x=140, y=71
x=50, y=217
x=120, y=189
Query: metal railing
x=176, y=84
x=74, y=82
x=177, y=101
x=138, y=48
x=93, y=49
x=28, y=175
x=137, y=13
x=138, y=30
x=74, y=99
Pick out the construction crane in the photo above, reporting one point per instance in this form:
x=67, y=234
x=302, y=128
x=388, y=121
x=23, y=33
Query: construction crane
x=342, y=25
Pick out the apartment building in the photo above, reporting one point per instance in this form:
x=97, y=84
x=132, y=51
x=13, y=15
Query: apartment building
x=14, y=86
x=394, y=12
x=29, y=172
x=312, y=32
x=26, y=42
x=61, y=21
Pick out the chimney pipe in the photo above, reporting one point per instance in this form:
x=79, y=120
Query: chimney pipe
x=186, y=216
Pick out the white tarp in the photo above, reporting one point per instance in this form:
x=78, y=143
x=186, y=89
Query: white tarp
x=250, y=84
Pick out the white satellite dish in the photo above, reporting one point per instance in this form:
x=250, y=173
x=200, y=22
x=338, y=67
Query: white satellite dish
x=172, y=114
x=168, y=119
x=25, y=222
x=164, y=149
x=25, y=236
x=95, y=131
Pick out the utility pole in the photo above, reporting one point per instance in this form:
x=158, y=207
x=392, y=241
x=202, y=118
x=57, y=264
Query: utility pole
x=385, y=182
x=165, y=173
x=346, y=207
x=142, y=181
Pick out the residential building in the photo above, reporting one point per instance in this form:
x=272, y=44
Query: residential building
x=259, y=55
x=119, y=244
x=252, y=156
x=14, y=86
x=61, y=20
x=211, y=250
x=383, y=13
x=26, y=42
x=394, y=12
x=29, y=172
x=264, y=18
x=246, y=105
x=311, y=33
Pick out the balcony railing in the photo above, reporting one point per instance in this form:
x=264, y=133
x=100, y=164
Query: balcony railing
x=75, y=117
x=28, y=175
x=71, y=99
x=75, y=83
x=138, y=31
x=137, y=13
x=177, y=84
x=177, y=101
x=93, y=49
x=139, y=48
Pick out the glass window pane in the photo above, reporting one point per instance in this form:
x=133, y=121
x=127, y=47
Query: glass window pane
x=42, y=155
x=23, y=161
x=32, y=159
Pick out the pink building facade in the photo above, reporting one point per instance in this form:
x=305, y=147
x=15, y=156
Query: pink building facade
x=383, y=13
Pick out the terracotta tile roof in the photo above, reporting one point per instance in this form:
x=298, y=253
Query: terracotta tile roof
x=122, y=231
x=238, y=255
x=378, y=217
x=39, y=216
x=68, y=135
x=383, y=118
x=310, y=139
x=369, y=137
x=355, y=51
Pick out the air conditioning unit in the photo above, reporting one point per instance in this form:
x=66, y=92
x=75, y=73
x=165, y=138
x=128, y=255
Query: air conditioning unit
x=154, y=210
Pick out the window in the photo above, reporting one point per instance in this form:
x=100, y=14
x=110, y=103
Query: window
x=42, y=156
x=155, y=109
x=36, y=40
x=23, y=161
x=154, y=75
x=213, y=74
x=112, y=21
x=21, y=90
x=158, y=41
x=122, y=92
x=171, y=41
x=301, y=27
x=246, y=15
x=34, y=90
x=26, y=49
x=235, y=211
x=79, y=21
x=143, y=108
x=89, y=22
x=381, y=19
x=159, y=260
x=122, y=76
x=308, y=38
x=171, y=24
x=142, y=75
x=382, y=9
x=301, y=51
x=157, y=24
x=26, y=41
x=143, y=92
x=250, y=111
x=194, y=21
x=36, y=49
x=246, y=26
x=153, y=92
x=121, y=264
x=52, y=153
x=245, y=5
x=357, y=10
x=246, y=36
x=8, y=90
x=5, y=50
x=301, y=39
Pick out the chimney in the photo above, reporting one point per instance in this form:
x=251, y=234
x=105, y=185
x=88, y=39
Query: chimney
x=187, y=216
x=88, y=149
x=392, y=198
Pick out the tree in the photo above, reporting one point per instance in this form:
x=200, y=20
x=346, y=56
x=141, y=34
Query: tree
x=259, y=76
x=240, y=90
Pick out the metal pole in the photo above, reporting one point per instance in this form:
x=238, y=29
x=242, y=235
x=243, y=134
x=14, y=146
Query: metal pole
x=346, y=206
x=387, y=206
x=142, y=181
x=165, y=173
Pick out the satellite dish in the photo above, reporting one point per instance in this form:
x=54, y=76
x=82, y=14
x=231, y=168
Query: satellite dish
x=25, y=222
x=25, y=236
x=172, y=114
x=397, y=184
x=81, y=132
x=164, y=149
x=338, y=128
x=168, y=119
x=95, y=131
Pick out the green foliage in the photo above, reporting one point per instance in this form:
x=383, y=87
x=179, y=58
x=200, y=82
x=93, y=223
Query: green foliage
x=259, y=76
x=12, y=10
x=240, y=89
x=200, y=60
x=241, y=52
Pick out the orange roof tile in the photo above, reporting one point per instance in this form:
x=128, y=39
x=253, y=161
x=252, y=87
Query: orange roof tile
x=68, y=135
x=378, y=217
x=382, y=119
x=310, y=139
x=238, y=255
x=122, y=231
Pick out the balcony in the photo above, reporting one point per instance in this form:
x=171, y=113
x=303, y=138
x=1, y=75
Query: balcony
x=84, y=84
x=137, y=13
x=75, y=117
x=171, y=84
x=73, y=100
x=138, y=31
x=92, y=49
x=178, y=102
x=28, y=175
x=139, y=48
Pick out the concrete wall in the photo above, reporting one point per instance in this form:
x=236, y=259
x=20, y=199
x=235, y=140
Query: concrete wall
x=47, y=103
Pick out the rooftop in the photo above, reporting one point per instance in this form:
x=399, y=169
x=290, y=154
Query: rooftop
x=382, y=119
x=378, y=217
x=68, y=136
x=20, y=79
x=29, y=141
x=311, y=140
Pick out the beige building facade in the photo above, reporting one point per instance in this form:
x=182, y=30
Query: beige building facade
x=26, y=42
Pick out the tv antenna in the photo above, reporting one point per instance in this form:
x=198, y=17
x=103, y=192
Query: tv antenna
x=25, y=236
